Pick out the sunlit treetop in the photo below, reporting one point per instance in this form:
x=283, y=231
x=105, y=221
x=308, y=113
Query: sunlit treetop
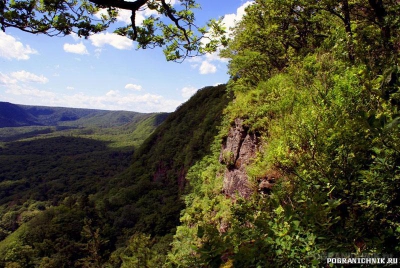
x=173, y=28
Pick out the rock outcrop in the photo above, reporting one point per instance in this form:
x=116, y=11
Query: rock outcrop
x=238, y=150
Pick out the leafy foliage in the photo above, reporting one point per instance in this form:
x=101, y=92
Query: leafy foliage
x=306, y=79
x=318, y=82
x=174, y=28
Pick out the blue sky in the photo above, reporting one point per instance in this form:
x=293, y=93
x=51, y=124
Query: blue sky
x=107, y=71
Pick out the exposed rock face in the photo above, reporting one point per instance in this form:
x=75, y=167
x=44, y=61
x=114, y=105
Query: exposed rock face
x=238, y=149
x=267, y=182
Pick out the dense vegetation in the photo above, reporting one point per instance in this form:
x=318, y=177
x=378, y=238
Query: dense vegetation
x=81, y=197
x=318, y=83
x=43, y=168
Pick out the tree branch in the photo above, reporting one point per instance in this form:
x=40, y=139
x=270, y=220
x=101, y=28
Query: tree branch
x=133, y=17
x=134, y=6
x=175, y=20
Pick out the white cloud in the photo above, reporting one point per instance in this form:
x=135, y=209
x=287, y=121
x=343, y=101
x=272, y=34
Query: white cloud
x=75, y=36
x=112, y=39
x=70, y=88
x=30, y=92
x=112, y=93
x=207, y=68
x=230, y=20
x=195, y=59
x=76, y=48
x=116, y=100
x=25, y=76
x=10, y=48
x=215, y=57
x=112, y=100
x=19, y=84
x=22, y=76
x=143, y=14
x=134, y=87
x=187, y=92
x=125, y=15
x=6, y=79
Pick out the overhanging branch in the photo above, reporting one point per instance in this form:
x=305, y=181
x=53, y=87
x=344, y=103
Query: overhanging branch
x=175, y=20
x=134, y=6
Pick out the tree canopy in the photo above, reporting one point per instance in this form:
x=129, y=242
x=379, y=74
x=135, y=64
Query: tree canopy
x=316, y=87
x=173, y=28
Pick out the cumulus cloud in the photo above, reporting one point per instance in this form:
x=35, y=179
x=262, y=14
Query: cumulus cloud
x=112, y=93
x=116, y=100
x=111, y=100
x=22, y=76
x=207, y=68
x=6, y=79
x=25, y=76
x=30, y=92
x=70, y=88
x=230, y=20
x=187, y=92
x=134, y=87
x=10, y=48
x=142, y=15
x=19, y=88
x=76, y=48
x=112, y=39
x=125, y=15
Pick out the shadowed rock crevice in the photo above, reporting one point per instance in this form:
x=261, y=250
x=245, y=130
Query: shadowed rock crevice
x=238, y=150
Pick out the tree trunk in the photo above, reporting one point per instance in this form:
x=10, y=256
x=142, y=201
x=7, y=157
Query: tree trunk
x=380, y=14
x=347, y=25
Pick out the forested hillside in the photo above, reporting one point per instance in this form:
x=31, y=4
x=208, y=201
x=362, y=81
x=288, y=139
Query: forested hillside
x=15, y=115
x=83, y=197
x=307, y=162
x=296, y=159
x=48, y=163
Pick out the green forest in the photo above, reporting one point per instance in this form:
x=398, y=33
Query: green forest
x=83, y=192
x=295, y=158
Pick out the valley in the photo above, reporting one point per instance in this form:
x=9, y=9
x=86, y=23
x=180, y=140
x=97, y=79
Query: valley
x=110, y=176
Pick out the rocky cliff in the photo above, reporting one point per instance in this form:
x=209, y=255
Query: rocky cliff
x=238, y=150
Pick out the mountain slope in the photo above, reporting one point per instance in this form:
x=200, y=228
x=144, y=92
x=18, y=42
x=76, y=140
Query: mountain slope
x=80, y=212
x=14, y=115
x=308, y=169
x=156, y=179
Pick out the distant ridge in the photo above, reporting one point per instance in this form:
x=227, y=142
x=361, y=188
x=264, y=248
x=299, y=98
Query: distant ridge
x=16, y=115
x=12, y=115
